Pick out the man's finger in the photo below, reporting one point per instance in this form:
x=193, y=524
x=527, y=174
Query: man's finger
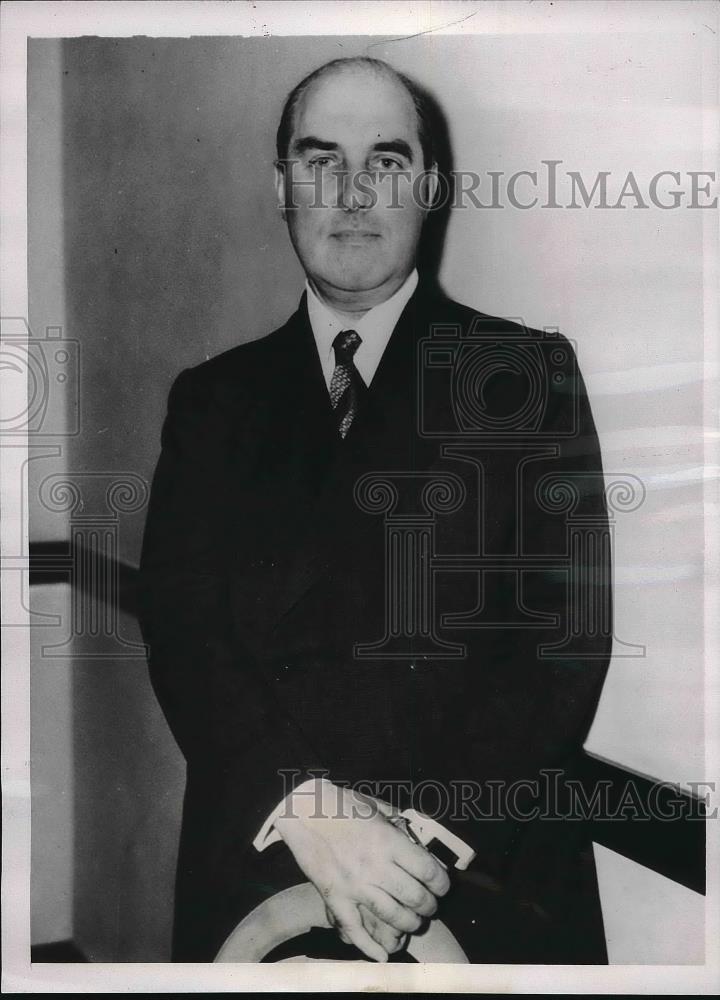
x=391, y=939
x=388, y=909
x=385, y=935
x=368, y=945
x=420, y=863
x=350, y=926
x=333, y=922
x=408, y=891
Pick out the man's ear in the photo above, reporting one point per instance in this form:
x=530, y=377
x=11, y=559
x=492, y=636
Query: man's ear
x=280, y=187
x=431, y=182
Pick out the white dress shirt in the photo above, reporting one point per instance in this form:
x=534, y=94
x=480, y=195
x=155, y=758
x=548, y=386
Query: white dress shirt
x=374, y=329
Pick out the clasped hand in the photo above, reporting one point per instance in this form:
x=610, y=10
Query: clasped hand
x=376, y=883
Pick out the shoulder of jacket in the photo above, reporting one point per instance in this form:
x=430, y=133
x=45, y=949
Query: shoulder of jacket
x=226, y=374
x=473, y=320
x=235, y=361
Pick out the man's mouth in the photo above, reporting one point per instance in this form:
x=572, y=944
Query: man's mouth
x=354, y=235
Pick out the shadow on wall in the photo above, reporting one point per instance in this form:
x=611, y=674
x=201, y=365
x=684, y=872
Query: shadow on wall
x=129, y=779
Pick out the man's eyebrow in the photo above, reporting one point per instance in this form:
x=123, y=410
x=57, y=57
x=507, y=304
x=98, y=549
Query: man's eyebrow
x=312, y=142
x=398, y=146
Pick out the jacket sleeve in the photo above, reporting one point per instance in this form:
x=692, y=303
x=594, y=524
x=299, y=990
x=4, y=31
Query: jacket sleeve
x=541, y=683
x=218, y=704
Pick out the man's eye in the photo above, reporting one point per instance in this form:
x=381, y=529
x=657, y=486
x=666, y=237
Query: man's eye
x=321, y=161
x=388, y=163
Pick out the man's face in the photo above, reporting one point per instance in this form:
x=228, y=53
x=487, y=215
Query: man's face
x=353, y=130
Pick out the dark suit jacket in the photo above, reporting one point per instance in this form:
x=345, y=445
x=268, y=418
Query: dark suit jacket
x=260, y=573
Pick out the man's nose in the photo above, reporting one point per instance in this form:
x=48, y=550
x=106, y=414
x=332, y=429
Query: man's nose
x=356, y=190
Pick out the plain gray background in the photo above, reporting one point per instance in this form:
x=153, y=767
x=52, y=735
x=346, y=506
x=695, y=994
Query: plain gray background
x=155, y=243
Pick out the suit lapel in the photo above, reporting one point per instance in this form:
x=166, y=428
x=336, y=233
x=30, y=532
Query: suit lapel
x=309, y=473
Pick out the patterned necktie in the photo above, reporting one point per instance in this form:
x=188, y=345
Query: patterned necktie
x=346, y=385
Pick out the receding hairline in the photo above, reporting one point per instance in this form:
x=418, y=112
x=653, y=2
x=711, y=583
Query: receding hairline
x=348, y=69
x=353, y=64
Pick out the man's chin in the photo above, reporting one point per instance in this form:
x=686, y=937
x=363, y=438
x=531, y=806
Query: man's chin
x=357, y=280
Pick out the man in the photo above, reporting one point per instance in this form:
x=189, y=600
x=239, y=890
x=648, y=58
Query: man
x=265, y=576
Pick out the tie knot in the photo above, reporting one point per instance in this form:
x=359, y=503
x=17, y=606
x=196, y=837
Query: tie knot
x=345, y=345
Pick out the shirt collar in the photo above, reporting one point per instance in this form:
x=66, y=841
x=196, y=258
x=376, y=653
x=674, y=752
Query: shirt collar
x=375, y=328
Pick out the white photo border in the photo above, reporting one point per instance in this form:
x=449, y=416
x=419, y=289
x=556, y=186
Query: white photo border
x=23, y=20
